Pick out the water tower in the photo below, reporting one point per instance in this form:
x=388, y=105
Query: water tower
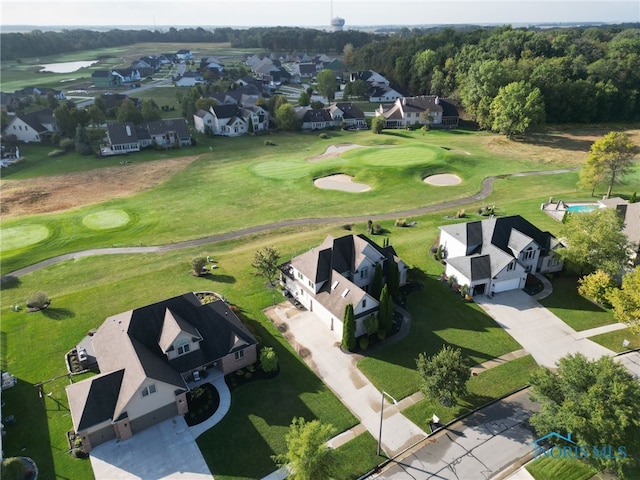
x=337, y=23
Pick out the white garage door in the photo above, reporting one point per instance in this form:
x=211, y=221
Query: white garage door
x=506, y=285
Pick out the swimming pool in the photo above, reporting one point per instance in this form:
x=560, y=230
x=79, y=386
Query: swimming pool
x=589, y=207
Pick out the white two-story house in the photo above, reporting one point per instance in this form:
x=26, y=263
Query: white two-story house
x=337, y=273
x=495, y=255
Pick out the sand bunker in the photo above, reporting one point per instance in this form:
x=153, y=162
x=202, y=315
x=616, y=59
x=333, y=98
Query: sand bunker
x=333, y=151
x=443, y=180
x=341, y=182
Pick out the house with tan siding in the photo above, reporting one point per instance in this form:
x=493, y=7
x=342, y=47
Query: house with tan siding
x=149, y=358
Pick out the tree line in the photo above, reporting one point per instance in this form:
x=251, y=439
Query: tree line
x=573, y=74
x=15, y=46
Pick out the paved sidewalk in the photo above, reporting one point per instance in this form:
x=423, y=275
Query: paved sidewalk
x=321, y=350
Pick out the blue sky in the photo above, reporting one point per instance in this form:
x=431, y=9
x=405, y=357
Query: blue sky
x=207, y=13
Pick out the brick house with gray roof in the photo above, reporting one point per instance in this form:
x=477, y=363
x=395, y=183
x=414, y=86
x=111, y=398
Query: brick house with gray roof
x=340, y=272
x=148, y=358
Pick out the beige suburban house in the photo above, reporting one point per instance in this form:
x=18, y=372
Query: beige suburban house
x=148, y=358
x=495, y=255
x=337, y=273
x=422, y=110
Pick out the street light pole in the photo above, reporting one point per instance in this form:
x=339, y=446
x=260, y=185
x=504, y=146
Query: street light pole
x=381, y=416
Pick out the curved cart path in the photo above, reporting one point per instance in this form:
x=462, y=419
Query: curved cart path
x=485, y=191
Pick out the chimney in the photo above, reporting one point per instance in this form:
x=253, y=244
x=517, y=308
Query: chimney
x=128, y=128
x=404, y=101
x=437, y=100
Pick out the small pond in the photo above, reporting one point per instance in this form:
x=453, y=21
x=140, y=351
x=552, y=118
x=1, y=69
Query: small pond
x=66, y=67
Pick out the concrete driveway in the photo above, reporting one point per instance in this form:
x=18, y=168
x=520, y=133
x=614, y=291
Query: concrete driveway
x=320, y=348
x=540, y=332
x=165, y=451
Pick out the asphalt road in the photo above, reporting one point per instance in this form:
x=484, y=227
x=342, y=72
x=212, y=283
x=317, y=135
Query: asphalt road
x=477, y=447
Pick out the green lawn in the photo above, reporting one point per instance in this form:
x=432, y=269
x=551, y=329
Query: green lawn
x=273, y=182
x=487, y=386
x=613, y=340
x=560, y=468
x=575, y=310
x=237, y=185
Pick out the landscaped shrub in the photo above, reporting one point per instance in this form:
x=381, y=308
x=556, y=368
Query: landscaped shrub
x=632, y=198
x=461, y=213
x=487, y=210
x=13, y=469
x=376, y=229
x=56, y=153
x=268, y=359
x=401, y=222
x=323, y=136
x=197, y=266
x=269, y=143
x=67, y=144
x=364, y=342
x=347, y=226
x=38, y=301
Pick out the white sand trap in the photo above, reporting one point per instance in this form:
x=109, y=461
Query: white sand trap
x=443, y=180
x=333, y=151
x=341, y=182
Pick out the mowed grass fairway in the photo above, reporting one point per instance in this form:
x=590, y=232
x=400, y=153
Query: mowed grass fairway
x=242, y=183
x=239, y=184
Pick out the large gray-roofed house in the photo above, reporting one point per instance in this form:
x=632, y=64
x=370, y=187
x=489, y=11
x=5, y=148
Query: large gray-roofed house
x=420, y=110
x=147, y=358
x=32, y=126
x=337, y=273
x=495, y=255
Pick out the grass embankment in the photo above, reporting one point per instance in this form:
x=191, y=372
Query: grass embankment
x=556, y=468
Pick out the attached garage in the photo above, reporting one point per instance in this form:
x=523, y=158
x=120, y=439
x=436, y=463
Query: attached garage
x=506, y=285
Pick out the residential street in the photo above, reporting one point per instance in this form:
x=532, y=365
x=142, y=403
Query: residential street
x=477, y=447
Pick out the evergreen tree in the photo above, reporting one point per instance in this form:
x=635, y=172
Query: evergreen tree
x=82, y=141
x=385, y=311
x=349, y=329
x=393, y=280
x=377, y=283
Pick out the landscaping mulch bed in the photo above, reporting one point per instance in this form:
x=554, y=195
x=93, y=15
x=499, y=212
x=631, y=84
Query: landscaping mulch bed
x=202, y=407
x=247, y=375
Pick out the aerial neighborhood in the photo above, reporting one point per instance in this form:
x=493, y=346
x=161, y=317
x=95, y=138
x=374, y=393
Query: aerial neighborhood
x=285, y=252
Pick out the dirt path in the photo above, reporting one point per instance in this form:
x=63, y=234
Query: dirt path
x=487, y=186
x=61, y=192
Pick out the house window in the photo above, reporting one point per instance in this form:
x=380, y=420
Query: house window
x=511, y=266
x=239, y=354
x=364, y=302
x=299, y=275
x=149, y=390
x=183, y=347
x=364, y=273
x=310, y=284
x=553, y=261
x=528, y=255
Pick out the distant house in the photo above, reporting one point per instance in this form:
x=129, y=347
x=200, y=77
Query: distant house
x=9, y=102
x=184, y=54
x=32, y=127
x=33, y=92
x=127, y=75
x=189, y=79
x=495, y=255
x=382, y=93
x=368, y=76
x=307, y=70
x=426, y=109
x=211, y=63
x=145, y=68
x=231, y=120
x=337, y=273
x=335, y=115
x=123, y=138
x=105, y=79
x=149, y=358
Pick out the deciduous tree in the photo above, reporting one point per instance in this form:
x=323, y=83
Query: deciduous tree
x=308, y=455
x=596, y=286
x=598, y=402
x=304, y=99
x=268, y=359
x=82, y=141
x=595, y=241
x=444, y=374
x=611, y=156
x=265, y=261
x=626, y=300
x=377, y=124
x=516, y=109
x=327, y=84
x=286, y=118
